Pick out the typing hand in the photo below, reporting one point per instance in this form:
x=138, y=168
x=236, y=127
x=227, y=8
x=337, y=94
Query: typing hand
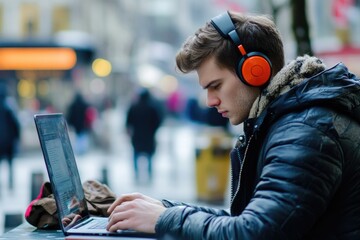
x=134, y=211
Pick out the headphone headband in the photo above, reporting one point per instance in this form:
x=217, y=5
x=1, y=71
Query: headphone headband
x=225, y=26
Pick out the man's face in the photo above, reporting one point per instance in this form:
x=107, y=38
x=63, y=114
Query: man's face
x=231, y=97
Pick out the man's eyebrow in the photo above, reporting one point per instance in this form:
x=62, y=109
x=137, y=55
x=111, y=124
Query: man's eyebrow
x=210, y=83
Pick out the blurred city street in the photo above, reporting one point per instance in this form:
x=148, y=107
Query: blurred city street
x=174, y=167
x=107, y=52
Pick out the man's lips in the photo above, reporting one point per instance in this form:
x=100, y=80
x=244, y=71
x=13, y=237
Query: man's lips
x=223, y=113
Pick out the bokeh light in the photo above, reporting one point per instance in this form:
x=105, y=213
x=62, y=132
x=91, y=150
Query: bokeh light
x=26, y=88
x=97, y=86
x=168, y=84
x=101, y=67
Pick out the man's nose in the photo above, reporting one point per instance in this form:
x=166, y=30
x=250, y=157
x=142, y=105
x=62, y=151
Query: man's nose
x=212, y=100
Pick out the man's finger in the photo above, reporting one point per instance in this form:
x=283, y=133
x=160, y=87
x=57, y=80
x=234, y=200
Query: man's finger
x=123, y=198
x=121, y=225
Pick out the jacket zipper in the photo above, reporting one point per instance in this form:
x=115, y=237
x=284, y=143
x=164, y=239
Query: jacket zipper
x=241, y=167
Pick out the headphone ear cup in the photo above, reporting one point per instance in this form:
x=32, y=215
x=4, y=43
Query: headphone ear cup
x=254, y=69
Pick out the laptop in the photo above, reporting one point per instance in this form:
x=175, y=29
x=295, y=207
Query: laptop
x=74, y=217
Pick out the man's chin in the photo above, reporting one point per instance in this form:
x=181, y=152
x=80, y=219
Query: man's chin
x=234, y=122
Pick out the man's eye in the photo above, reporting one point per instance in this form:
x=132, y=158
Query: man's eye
x=217, y=86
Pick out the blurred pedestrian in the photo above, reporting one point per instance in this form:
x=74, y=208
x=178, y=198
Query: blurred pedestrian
x=193, y=110
x=10, y=133
x=175, y=104
x=341, y=10
x=80, y=116
x=214, y=119
x=143, y=119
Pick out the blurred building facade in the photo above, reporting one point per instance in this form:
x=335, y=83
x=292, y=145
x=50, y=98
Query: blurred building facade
x=114, y=30
x=136, y=41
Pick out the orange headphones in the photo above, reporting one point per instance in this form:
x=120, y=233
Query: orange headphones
x=254, y=68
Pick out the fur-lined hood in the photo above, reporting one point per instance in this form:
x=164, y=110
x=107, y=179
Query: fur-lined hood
x=292, y=74
x=304, y=82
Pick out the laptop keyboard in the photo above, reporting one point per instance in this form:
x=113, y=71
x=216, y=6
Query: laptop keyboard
x=99, y=224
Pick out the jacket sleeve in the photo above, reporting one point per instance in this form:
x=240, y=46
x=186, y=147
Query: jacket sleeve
x=215, y=211
x=302, y=170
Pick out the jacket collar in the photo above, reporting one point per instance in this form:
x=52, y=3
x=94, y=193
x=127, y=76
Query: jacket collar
x=334, y=88
x=291, y=75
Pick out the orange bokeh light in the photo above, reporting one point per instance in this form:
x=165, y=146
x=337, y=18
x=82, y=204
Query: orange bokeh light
x=37, y=58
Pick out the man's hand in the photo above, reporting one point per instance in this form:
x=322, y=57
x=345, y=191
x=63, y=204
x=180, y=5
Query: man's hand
x=134, y=211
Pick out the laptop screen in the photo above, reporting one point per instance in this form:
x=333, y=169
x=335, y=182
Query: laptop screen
x=62, y=168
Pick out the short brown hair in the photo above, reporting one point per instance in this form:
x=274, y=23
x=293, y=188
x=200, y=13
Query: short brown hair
x=257, y=33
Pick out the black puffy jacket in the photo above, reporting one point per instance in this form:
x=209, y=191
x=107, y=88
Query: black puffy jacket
x=295, y=172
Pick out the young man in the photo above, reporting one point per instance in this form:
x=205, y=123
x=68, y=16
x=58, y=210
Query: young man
x=296, y=171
